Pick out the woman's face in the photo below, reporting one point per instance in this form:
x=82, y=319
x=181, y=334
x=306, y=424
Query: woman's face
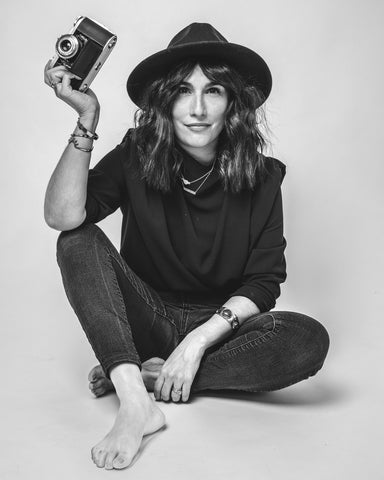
x=198, y=115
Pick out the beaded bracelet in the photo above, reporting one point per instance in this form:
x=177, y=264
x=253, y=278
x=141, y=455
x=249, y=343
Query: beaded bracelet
x=87, y=132
x=73, y=140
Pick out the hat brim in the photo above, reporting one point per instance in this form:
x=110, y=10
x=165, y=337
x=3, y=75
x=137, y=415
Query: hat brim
x=247, y=62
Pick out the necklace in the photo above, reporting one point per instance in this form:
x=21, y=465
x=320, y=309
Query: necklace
x=204, y=178
x=189, y=182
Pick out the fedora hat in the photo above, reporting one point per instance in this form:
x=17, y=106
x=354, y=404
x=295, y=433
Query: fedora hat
x=203, y=41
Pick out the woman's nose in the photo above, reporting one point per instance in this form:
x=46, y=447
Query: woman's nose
x=198, y=107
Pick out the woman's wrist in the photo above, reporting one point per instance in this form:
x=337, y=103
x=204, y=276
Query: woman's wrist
x=210, y=332
x=90, y=120
x=217, y=328
x=84, y=134
x=199, y=340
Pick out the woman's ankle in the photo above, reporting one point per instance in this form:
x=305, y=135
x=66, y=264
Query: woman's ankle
x=128, y=382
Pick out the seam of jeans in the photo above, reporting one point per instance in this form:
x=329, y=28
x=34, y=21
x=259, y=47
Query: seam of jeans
x=251, y=343
x=184, y=319
x=274, y=321
x=246, y=345
x=302, y=328
x=139, y=287
x=141, y=291
x=263, y=314
x=117, y=289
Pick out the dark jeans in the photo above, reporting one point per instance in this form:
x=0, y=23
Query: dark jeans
x=126, y=320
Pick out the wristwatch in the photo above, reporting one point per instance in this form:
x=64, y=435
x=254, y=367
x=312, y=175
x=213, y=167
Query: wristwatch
x=229, y=316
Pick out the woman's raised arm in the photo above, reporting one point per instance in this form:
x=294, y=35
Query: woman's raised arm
x=64, y=206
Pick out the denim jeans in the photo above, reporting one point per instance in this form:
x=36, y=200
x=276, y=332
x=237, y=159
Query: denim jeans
x=126, y=320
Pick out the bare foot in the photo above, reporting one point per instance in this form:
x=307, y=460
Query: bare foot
x=135, y=419
x=99, y=384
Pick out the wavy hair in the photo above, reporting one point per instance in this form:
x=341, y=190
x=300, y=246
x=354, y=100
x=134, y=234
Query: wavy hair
x=240, y=158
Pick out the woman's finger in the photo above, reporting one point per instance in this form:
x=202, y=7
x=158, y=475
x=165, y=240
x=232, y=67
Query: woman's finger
x=64, y=87
x=56, y=74
x=166, y=390
x=47, y=65
x=176, y=393
x=186, y=391
x=54, y=77
x=158, y=386
x=50, y=72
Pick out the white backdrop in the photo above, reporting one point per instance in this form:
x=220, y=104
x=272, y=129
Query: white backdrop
x=325, y=112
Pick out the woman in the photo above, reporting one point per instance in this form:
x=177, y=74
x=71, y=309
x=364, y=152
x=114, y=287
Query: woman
x=186, y=305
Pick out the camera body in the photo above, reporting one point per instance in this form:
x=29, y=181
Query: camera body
x=84, y=50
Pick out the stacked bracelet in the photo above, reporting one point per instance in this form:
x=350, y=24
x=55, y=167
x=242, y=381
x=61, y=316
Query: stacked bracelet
x=87, y=132
x=80, y=135
x=73, y=140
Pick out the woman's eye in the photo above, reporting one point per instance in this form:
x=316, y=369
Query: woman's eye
x=183, y=90
x=214, y=90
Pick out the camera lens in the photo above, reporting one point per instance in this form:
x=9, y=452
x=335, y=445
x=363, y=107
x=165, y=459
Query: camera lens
x=67, y=46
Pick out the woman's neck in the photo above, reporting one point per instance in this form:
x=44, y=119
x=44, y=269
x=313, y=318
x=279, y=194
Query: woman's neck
x=204, y=156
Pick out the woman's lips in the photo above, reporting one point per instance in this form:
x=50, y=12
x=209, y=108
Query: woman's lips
x=198, y=127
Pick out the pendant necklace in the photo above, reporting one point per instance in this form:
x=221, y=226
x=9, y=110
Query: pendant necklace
x=204, y=178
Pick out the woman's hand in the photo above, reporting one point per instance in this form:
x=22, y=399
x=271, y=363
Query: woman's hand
x=179, y=370
x=59, y=78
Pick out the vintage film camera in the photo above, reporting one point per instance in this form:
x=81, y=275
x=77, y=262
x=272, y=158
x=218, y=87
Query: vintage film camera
x=84, y=50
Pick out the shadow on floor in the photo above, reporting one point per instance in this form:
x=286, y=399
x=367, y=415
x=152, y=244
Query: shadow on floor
x=323, y=394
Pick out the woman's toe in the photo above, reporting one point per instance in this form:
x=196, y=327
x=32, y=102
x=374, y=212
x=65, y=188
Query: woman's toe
x=96, y=373
x=109, y=460
x=98, y=392
x=98, y=457
x=98, y=383
x=121, y=461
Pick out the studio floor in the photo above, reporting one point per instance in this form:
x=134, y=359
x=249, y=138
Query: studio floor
x=327, y=427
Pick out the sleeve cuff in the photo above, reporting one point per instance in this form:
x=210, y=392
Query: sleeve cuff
x=261, y=299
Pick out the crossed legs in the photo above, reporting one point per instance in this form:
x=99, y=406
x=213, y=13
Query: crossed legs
x=131, y=333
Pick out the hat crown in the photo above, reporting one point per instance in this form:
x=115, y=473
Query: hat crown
x=200, y=40
x=196, y=33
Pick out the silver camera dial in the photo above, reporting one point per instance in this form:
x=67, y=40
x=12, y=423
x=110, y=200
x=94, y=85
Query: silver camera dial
x=67, y=46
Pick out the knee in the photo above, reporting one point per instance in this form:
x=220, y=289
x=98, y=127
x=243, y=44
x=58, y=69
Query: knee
x=73, y=243
x=309, y=338
x=317, y=341
x=324, y=338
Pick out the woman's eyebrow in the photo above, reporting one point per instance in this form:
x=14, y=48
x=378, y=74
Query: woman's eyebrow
x=210, y=84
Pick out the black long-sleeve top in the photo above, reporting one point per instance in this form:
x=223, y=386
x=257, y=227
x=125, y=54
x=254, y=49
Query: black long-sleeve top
x=215, y=244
